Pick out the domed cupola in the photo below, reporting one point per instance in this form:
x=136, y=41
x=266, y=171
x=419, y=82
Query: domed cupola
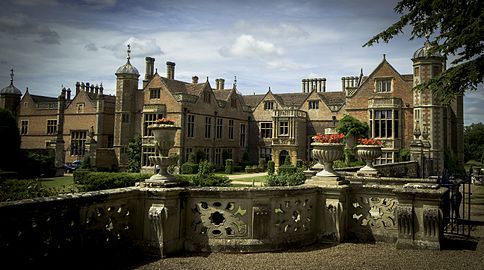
x=11, y=89
x=424, y=52
x=127, y=69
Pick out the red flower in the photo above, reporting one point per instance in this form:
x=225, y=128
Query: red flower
x=328, y=138
x=369, y=141
x=165, y=121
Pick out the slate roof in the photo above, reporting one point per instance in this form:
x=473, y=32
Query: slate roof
x=289, y=99
x=253, y=100
x=39, y=99
x=332, y=98
x=222, y=94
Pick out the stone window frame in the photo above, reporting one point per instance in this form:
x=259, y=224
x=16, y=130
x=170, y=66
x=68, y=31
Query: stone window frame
x=146, y=152
x=206, y=97
x=284, y=129
x=208, y=127
x=231, y=129
x=24, y=127
x=219, y=128
x=265, y=129
x=388, y=120
x=243, y=135
x=265, y=152
x=148, y=119
x=268, y=105
x=51, y=126
x=384, y=81
x=155, y=93
x=190, y=126
x=78, y=142
x=313, y=104
x=80, y=107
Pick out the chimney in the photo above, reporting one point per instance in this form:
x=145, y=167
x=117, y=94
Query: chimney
x=92, y=88
x=68, y=94
x=319, y=84
x=63, y=92
x=303, y=85
x=194, y=79
x=78, y=87
x=324, y=85
x=96, y=89
x=217, y=83
x=170, y=70
x=101, y=89
x=149, y=70
x=343, y=83
x=87, y=87
x=221, y=84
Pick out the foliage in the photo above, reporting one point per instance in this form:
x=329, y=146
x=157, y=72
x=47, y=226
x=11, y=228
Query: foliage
x=270, y=167
x=328, y=138
x=86, y=162
x=299, y=163
x=350, y=126
x=262, y=164
x=90, y=181
x=369, y=141
x=404, y=154
x=451, y=163
x=229, y=166
x=134, y=154
x=9, y=141
x=37, y=164
x=206, y=177
x=458, y=30
x=245, y=159
x=189, y=168
x=287, y=179
x=287, y=167
x=14, y=189
x=200, y=155
x=474, y=142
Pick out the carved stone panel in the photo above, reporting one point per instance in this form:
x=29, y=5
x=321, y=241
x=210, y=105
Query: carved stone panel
x=375, y=212
x=219, y=218
x=432, y=222
x=293, y=215
x=110, y=221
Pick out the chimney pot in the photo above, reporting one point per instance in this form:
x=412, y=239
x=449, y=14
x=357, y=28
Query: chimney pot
x=221, y=83
x=195, y=79
x=68, y=94
x=170, y=70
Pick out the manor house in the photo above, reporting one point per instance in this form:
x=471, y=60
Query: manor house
x=222, y=123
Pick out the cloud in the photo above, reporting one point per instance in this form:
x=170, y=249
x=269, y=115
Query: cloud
x=20, y=25
x=91, y=47
x=281, y=30
x=282, y=65
x=139, y=48
x=101, y=3
x=31, y=3
x=248, y=46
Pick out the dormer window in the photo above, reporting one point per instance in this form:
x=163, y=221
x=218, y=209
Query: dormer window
x=268, y=105
x=313, y=104
x=384, y=85
x=206, y=97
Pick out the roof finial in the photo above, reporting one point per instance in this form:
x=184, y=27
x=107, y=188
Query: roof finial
x=361, y=72
x=269, y=88
x=235, y=82
x=11, y=76
x=384, y=56
x=129, y=52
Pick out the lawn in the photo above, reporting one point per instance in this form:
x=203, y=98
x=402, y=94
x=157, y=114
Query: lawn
x=65, y=182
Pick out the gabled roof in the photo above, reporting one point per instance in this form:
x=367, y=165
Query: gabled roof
x=289, y=99
x=252, y=100
x=332, y=98
x=39, y=99
x=222, y=94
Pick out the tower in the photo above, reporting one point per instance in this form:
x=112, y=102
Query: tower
x=430, y=127
x=124, y=117
x=10, y=96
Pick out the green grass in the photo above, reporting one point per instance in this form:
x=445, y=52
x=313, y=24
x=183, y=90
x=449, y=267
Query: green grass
x=65, y=183
x=251, y=179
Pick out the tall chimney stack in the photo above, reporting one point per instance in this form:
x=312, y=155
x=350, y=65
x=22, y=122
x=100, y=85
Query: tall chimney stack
x=68, y=94
x=78, y=87
x=170, y=70
x=324, y=84
x=149, y=70
x=195, y=79
x=303, y=85
x=221, y=84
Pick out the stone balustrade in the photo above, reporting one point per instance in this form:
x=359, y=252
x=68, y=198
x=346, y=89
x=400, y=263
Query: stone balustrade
x=165, y=221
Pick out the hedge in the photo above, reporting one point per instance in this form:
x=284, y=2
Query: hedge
x=90, y=181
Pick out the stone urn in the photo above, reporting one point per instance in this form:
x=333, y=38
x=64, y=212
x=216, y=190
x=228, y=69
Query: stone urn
x=368, y=153
x=164, y=138
x=326, y=154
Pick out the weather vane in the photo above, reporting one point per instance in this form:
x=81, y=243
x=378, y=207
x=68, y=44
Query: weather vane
x=11, y=76
x=129, y=51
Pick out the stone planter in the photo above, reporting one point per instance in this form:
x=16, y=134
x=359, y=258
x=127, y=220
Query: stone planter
x=368, y=153
x=164, y=137
x=326, y=154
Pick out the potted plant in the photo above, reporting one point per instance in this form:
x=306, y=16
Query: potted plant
x=326, y=149
x=164, y=131
x=368, y=149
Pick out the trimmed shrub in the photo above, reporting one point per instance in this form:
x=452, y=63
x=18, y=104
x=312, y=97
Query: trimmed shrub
x=294, y=179
x=189, y=168
x=237, y=168
x=299, y=163
x=206, y=177
x=90, y=181
x=262, y=164
x=287, y=168
x=270, y=167
x=252, y=169
x=229, y=166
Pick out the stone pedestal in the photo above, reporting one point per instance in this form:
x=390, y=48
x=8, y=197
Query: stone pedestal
x=326, y=180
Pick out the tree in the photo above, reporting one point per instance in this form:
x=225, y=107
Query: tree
x=134, y=154
x=474, y=142
x=350, y=126
x=457, y=29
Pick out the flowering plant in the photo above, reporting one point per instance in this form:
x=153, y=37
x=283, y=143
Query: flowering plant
x=328, y=138
x=164, y=121
x=369, y=141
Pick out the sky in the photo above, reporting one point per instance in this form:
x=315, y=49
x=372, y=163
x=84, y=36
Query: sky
x=276, y=44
